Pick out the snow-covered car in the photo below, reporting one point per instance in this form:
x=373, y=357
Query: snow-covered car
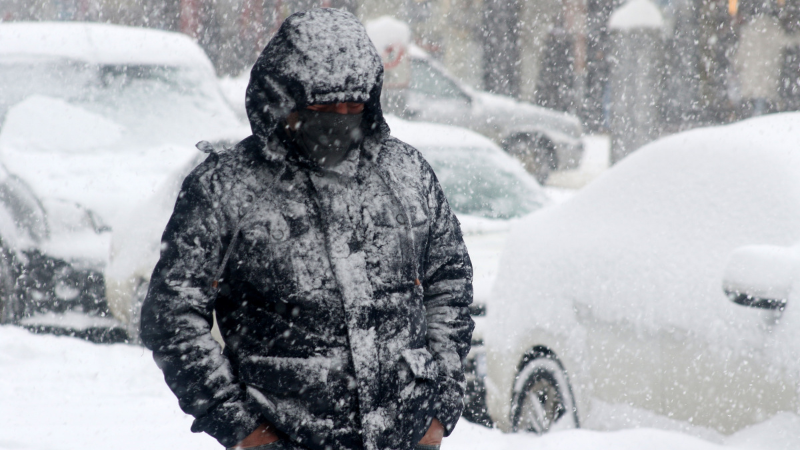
x=485, y=186
x=99, y=113
x=52, y=254
x=417, y=87
x=543, y=139
x=613, y=297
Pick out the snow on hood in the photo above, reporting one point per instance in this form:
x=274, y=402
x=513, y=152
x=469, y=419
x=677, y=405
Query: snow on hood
x=99, y=43
x=636, y=14
x=318, y=56
x=648, y=241
x=44, y=123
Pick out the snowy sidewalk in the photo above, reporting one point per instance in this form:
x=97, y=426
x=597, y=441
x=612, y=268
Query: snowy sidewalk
x=59, y=393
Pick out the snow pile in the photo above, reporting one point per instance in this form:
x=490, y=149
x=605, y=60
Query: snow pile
x=781, y=432
x=469, y=436
x=70, y=394
x=386, y=31
x=45, y=123
x=636, y=14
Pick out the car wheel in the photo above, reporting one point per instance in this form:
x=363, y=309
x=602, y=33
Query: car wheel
x=135, y=315
x=536, y=154
x=542, y=397
x=11, y=307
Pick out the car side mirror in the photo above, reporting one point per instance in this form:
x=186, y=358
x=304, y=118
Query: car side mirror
x=762, y=276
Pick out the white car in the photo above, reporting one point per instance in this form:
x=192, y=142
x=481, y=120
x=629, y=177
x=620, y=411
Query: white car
x=544, y=140
x=614, y=297
x=100, y=114
x=486, y=188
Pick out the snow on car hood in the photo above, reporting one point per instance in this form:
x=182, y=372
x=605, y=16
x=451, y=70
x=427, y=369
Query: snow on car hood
x=41, y=123
x=65, y=151
x=646, y=243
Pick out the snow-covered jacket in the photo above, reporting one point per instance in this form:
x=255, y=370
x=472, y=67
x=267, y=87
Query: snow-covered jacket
x=344, y=302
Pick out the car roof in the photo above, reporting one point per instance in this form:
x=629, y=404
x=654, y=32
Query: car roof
x=99, y=43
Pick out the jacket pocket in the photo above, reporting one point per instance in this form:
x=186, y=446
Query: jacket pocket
x=284, y=375
x=421, y=362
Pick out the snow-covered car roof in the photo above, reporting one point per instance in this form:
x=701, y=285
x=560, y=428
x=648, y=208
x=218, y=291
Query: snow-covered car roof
x=99, y=43
x=647, y=242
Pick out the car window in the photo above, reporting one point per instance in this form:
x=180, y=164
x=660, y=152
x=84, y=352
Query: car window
x=429, y=81
x=478, y=182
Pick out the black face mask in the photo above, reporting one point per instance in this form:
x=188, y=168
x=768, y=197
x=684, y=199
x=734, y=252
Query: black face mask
x=326, y=137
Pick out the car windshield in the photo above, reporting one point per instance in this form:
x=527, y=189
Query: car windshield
x=155, y=104
x=480, y=183
x=429, y=81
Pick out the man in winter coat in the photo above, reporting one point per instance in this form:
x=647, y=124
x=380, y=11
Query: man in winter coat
x=326, y=248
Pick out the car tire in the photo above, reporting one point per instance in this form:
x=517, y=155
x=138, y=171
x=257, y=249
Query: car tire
x=11, y=307
x=536, y=153
x=542, y=399
x=135, y=314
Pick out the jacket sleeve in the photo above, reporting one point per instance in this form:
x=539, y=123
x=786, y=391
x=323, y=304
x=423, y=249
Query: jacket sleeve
x=448, y=293
x=177, y=320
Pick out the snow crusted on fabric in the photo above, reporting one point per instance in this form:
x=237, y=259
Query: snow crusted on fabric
x=344, y=304
x=318, y=56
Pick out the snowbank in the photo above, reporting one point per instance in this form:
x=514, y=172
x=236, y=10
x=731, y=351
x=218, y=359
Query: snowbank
x=62, y=393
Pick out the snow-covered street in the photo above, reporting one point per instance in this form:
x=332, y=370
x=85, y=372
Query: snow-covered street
x=59, y=393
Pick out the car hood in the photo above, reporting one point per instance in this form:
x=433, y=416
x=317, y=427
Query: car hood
x=65, y=151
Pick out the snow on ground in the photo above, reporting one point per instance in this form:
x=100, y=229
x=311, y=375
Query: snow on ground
x=60, y=393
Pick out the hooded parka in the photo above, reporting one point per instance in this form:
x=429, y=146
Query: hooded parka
x=343, y=304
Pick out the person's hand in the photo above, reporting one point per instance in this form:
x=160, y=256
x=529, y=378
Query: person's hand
x=264, y=434
x=434, y=435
